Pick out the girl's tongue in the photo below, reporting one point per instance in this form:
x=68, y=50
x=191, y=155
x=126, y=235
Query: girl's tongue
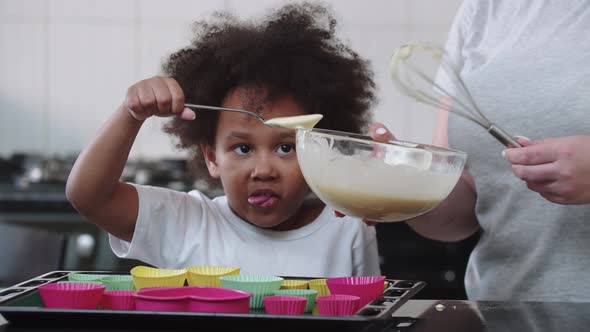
x=262, y=200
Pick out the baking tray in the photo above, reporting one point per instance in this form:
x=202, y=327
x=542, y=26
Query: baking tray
x=21, y=305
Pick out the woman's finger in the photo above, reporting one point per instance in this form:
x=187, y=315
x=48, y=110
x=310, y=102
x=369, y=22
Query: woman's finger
x=557, y=199
x=533, y=154
x=542, y=187
x=523, y=140
x=380, y=133
x=536, y=173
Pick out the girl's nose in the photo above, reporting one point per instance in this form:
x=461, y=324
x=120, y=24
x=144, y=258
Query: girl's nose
x=264, y=169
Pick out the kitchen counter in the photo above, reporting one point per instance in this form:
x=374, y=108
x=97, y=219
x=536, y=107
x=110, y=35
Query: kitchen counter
x=440, y=316
x=497, y=316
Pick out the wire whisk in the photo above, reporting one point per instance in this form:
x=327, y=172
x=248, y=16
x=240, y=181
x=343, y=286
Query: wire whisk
x=424, y=72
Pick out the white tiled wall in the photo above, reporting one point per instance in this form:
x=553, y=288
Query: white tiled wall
x=65, y=64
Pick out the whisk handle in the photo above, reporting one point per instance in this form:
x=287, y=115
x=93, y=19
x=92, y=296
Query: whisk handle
x=503, y=137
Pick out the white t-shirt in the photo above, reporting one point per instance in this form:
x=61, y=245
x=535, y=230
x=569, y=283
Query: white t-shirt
x=178, y=230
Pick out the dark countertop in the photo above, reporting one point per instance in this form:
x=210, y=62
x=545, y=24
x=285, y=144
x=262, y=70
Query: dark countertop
x=440, y=316
x=497, y=316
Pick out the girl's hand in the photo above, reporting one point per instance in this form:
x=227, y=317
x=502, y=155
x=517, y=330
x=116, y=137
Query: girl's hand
x=557, y=168
x=160, y=96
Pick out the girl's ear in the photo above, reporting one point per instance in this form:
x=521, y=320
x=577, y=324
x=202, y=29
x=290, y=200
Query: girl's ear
x=210, y=159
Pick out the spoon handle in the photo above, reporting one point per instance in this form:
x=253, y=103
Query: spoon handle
x=224, y=109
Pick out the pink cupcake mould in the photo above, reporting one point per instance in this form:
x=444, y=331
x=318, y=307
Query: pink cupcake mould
x=118, y=300
x=367, y=288
x=338, y=305
x=161, y=299
x=193, y=299
x=214, y=299
x=284, y=305
x=71, y=295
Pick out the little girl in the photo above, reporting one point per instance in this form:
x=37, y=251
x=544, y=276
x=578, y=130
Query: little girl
x=288, y=64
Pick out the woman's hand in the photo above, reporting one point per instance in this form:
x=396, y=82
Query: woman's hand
x=557, y=168
x=160, y=96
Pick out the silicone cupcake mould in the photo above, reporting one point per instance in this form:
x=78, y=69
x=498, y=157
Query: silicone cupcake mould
x=83, y=277
x=161, y=299
x=366, y=288
x=111, y=281
x=338, y=305
x=284, y=305
x=320, y=286
x=144, y=276
x=215, y=299
x=118, y=300
x=194, y=299
x=259, y=285
x=71, y=295
x=294, y=284
x=77, y=282
x=118, y=282
x=209, y=275
x=309, y=294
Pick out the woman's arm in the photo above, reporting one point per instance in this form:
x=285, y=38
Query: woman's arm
x=454, y=218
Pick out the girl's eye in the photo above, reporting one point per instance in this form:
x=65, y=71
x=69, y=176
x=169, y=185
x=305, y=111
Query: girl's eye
x=242, y=149
x=284, y=149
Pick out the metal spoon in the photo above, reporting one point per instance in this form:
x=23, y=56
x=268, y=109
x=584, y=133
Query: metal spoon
x=293, y=122
x=225, y=109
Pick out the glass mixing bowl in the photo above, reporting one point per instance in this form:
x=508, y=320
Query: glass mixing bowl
x=382, y=182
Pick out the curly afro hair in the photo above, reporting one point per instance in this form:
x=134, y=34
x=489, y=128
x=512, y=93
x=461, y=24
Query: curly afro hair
x=292, y=51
